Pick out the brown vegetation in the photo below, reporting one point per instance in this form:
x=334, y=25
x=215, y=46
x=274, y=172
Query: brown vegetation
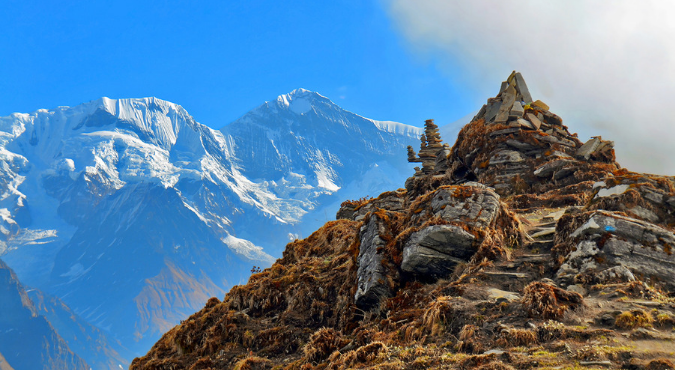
x=546, y=301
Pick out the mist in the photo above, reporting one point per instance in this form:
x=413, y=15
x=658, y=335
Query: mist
x=606, y=67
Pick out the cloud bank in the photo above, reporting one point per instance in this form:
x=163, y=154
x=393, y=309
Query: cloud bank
x=607, y=67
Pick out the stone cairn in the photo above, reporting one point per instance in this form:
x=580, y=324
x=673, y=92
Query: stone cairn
x=511, y=104
x=430, y=148
x=509, y=156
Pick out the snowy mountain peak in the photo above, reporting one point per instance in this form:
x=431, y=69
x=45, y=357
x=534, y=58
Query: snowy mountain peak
x=300, y=101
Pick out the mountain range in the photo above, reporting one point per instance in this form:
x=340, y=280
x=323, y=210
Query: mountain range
x=129, y=215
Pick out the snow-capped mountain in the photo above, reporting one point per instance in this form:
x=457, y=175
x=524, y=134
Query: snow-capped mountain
x=304, y=147
x=134, y=214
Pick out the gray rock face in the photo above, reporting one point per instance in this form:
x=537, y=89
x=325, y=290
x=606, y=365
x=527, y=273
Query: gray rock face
x=547, y=169
x=346, y=212
x=520, y=145
x=472, y=203
x=391, y=201
x=616, y=274
x=492, y=110
x=636, y=245
x=371, y=275
x=436, y=250
x=427, y=262
x=506, y=156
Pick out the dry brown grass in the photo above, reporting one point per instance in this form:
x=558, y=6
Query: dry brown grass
x=546, y=301
x=516, y=337
x=634, y=319
x=471, y=340
x=322, y=343
x=310, y=287
x=253, y=363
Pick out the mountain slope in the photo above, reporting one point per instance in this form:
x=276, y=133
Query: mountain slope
x=134, y=214
x=84, y=339
x=27, y=339
x=519, y=247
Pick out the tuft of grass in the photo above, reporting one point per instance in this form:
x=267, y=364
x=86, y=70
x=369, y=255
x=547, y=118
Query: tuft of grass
x=634, y=319
x=546, y=301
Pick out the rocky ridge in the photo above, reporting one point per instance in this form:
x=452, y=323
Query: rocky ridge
x=519, y=247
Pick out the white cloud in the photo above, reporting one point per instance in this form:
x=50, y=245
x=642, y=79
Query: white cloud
x=606, y=66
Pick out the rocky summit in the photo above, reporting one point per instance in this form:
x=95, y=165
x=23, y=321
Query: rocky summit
x=518, y=247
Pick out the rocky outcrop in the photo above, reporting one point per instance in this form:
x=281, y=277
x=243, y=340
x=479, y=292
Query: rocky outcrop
x=464, y=212
x=357, y=210
x=372, y=275
x=611, y=241
x=437, y=250
x=472, y=203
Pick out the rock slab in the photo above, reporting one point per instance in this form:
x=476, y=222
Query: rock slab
x=371, y=275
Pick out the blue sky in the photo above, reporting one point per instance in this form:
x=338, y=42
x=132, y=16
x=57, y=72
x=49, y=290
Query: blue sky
x=219, y=59
x=605, y=66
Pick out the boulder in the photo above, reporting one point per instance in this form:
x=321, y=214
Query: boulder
x=557, y=140
x=506, y=131
x=671, y=201
x=471, y=203
x=654, y=195
x=424, y=261
x=371, y=274
x=608, y=240
x=441, y=164
x=436, y=250
x=520, y=145
x=616, y=274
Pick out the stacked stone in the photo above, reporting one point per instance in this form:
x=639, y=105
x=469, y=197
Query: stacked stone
x=430, y=147
x=515, y=107
x=514, y=154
